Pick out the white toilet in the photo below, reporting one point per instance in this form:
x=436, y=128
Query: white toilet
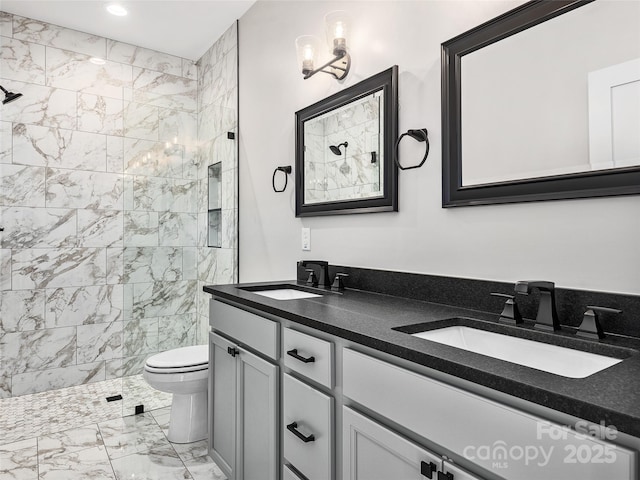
x=183, y=372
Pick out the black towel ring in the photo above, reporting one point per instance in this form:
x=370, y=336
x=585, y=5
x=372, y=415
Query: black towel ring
x=420, y=135
x=287, y=170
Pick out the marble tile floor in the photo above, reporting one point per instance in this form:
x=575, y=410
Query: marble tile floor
x=93, y=441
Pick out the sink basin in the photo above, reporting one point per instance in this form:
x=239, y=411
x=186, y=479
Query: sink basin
x=286, y=294
x=542, y=356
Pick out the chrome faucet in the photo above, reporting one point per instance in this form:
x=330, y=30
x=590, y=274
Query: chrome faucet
x=547, y=317
x=323, y=279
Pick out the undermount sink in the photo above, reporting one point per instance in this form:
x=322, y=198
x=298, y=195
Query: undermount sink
x=285, y=294
x=563, y=361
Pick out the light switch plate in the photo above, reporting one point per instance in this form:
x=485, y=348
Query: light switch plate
x=306, y=239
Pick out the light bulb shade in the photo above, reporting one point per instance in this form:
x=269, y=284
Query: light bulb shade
x=307, y=47
x=337, y=25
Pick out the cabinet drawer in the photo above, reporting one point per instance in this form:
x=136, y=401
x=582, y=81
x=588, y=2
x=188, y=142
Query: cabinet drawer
x=308, y=412
x=308, y=356
x=471, y=426
x=288, y=474
x=247, y=328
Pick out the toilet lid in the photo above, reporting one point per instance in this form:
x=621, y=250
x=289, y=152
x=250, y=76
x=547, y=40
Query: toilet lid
x=180, y=357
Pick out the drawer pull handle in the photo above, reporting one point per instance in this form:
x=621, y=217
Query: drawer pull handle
x=445, y=476
x=233, y=351
x=293, y=428
x=427, y=469
x=294, y=354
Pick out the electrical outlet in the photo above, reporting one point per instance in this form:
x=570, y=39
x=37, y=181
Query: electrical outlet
x=306, y=239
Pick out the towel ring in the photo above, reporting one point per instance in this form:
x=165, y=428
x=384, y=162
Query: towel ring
x=420, y=135
x=287, y=170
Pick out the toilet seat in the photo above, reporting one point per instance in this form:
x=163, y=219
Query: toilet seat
x=179, y=360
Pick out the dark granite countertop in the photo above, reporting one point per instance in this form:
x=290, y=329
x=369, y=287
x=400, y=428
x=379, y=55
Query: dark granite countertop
x=611, y=396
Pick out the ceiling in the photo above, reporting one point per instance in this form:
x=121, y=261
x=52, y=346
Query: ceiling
x=185, y=28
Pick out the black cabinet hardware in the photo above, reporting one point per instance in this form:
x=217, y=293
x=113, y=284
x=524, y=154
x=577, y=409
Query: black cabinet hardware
x=293, y=428
x=233, y=351
x=294, y=354
x=427, y=469
x=445, y=476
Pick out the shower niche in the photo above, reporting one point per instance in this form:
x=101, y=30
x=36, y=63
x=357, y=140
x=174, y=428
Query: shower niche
x=215, y=205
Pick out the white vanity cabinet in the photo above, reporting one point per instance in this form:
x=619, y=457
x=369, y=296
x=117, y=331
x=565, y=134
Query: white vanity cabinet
x=243, y=400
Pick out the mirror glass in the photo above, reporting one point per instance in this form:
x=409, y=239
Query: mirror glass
x=343, y=154
x=543, y=103
x=344, y=148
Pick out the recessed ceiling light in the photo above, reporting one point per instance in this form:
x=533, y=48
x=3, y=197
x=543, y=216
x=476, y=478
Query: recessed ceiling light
x=116, y=9
x=97, y=60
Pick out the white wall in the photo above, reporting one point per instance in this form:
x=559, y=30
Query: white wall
x=588, y=244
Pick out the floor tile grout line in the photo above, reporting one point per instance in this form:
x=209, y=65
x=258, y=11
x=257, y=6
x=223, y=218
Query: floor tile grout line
x=172, y=446
x=115, y=475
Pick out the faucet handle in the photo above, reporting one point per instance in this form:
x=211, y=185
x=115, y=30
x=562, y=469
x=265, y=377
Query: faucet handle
x=338, y=282
x=510, y=313
x=590, y=326
x=313, y=279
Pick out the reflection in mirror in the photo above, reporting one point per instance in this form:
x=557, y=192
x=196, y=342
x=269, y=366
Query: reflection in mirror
x=543, y=103
x=343, y=147
x=343, y=152
x=561, y=97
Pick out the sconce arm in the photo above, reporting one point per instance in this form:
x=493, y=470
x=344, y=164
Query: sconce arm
x=340, y=62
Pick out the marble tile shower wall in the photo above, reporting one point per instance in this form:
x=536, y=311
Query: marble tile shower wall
x=329, y=177
x=100, y=195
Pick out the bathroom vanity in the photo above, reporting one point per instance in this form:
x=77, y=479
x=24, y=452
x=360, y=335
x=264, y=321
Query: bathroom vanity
x=312, y=384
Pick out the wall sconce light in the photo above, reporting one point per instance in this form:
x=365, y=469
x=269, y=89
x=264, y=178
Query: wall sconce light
x=308, y=47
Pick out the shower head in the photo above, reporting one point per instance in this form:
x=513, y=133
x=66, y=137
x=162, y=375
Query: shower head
x=9, y=96
x=336, y=148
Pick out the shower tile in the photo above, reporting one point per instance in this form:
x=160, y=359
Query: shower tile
x=157, y=462
x=229, y=229
x=22, y=310
x=224, y=266
x=6, y=24
x=27, y=227
x=141, y=121
x=203, y=229
x=177, y=229
x=90, y=463
x=190, y=263
x=144, y=157
x=38, y=349
x=177, y=331
x=6, y=145
x=50, y=107
x=54, y=378
x=54, y=36
x=191, y=162
x=5, y=269
x=115, y=265
x=178, y=127
x=202, y=329
x=164, y=90
x=83, y=306
x=121, y=367
x=19, y=460
x=22, y=186
x=74, y=71
x=22, y=61
x=102, y=341
x=229, y=182
x=163, y=298
x=143, y=57
x=100, y=114
x=184, y=196
x=152, y=193
x=203, y=192
x=51, y=268
x=100, y=228
x=140, y=229
x=150, y=264
x=215, y=120
x=61, y=148
x=5, y=384
x=80, y=189
x=140, y=336
x=189, y=69
x=115, y=154
x=207, y=264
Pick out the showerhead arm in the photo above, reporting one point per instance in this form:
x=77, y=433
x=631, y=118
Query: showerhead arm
x=335, y=149
x=9, y=96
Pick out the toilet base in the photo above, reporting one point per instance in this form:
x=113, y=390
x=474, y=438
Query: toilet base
x=189, y=418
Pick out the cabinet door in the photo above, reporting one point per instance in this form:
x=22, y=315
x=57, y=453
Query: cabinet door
x=372, y=452
x=223, y=400
x=258, y=401
x=451, y=472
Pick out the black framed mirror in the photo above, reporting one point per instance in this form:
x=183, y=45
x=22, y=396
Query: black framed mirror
x=344, y=150
x=542, y=103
